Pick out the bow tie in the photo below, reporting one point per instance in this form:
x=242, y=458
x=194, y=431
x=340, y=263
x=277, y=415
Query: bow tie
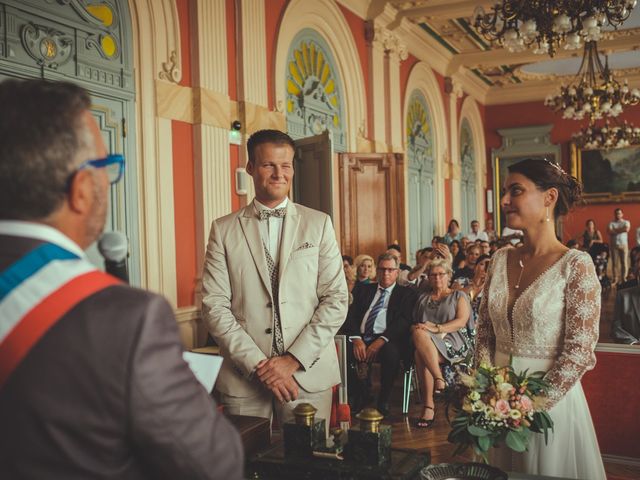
x=277, y=213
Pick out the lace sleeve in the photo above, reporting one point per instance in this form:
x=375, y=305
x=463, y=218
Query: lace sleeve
x=485, y=336
x=582, y=311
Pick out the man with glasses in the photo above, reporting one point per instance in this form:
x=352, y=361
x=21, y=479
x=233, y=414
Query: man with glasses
x=92, y=381
x=378, y=324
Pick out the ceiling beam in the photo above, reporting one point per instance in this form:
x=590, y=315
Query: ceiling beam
x=500, y=56
x=449, y=9
x=534, y=91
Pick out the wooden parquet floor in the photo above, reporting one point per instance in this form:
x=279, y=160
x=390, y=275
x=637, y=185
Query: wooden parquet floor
x=407, y=435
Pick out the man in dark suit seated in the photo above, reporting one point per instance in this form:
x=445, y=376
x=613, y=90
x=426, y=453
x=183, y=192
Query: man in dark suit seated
x=92, y=380
x=378, y=324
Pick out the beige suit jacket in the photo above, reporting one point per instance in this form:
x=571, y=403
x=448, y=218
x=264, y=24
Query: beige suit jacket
x=237, y=299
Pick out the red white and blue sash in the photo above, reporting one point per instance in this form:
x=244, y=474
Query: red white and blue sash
x=35, y=292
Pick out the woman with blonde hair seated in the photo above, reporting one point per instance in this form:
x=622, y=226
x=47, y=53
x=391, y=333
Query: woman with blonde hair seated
x=365, y=269
x=439, y=333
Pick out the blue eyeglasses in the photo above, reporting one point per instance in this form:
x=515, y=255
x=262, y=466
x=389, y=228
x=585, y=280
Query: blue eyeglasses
x=113, y=164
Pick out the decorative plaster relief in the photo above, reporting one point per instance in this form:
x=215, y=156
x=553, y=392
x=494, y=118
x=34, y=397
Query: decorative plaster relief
x=48, y=47
x=171, y=69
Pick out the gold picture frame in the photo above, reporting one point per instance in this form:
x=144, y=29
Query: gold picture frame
x=604, y=173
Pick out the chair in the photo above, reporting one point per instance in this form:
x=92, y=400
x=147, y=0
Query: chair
x=409, y=385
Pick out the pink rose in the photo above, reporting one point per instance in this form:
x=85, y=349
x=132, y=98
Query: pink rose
x=502, y=408
x=527, y=404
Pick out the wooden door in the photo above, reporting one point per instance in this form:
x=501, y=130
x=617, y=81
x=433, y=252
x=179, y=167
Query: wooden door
x=372, y=203
x=312, y=181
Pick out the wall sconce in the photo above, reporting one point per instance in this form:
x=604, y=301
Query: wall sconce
x=490, y=201
x=241, y=181
x=235, y=136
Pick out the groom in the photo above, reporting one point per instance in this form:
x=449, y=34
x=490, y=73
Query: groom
x=274, y=293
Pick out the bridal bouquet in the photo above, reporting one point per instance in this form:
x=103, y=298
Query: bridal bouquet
x=496, y=406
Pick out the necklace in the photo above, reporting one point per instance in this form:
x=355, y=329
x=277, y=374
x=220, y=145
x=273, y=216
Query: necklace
x=521, y=271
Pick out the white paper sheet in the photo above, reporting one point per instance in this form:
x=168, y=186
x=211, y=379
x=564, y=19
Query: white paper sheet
x=204, y=367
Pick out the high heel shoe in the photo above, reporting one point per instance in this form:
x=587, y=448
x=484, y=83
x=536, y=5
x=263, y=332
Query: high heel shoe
x=426, y=422
x=439, y=391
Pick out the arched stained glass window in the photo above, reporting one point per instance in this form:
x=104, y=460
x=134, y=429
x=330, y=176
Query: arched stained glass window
x=468, y=177
x=314, y=91
x=419, y=143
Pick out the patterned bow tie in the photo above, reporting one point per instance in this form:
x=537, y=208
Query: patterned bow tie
x=277, y=213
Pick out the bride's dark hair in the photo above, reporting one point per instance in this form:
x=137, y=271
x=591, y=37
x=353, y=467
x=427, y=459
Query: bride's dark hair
x=545, y=175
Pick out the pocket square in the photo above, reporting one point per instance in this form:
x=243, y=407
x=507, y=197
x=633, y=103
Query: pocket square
x=304, y=246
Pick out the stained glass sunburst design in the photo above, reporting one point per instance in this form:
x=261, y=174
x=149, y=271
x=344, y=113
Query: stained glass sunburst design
x=310, y=76
x=418, y=126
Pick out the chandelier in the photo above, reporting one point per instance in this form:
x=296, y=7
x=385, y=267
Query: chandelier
x=606, y=136
x=546, y=25
x=594, y=92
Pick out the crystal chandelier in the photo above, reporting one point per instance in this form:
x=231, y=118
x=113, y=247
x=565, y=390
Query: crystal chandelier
x=546, y=25
x=594, y=92
x=606, y=136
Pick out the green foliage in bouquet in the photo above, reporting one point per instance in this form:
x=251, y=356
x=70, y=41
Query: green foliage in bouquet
x=498, y=406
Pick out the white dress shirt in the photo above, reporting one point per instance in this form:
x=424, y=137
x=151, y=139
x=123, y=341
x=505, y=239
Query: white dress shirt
x=42, y=232
x=478, y=236
x=380, y=324
x=271, y=229
x=620, y=239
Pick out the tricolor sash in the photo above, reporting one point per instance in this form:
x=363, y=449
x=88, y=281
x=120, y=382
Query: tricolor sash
x=35, y=292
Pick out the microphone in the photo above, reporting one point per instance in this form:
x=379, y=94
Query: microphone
x=113, y=246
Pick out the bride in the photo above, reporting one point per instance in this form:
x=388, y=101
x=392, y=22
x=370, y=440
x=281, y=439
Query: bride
x=541, y=308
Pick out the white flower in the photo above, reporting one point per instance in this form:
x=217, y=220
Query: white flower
x=473, y=395
x=515, y=413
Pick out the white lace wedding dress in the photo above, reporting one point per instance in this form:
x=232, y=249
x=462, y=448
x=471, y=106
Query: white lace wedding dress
x=555, y=329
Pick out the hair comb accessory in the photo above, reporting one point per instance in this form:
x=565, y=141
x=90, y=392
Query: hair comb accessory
x=555, y=165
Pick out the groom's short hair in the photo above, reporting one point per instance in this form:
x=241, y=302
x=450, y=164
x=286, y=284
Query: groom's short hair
x=267, y=136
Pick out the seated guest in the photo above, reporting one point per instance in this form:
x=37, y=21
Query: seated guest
x=416, y=277
x=378, y=324
x=458, y=255
x=490, y=231
x=454, y=248
x=395, y=249
x=92, y=380
x=365, y=272
x=464, y=243
x=476, y=285
x=453, y=232
x=475, y=233
x=485, y=248
x=600, y=254
x=591, y=235
x=349, y=273
x=573, y=244
x=439, y=333
x=463, y=275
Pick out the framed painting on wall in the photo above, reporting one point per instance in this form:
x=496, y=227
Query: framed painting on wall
x=607, y=175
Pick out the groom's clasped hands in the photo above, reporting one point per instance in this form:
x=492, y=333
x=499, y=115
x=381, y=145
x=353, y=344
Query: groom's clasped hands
x=276, y=374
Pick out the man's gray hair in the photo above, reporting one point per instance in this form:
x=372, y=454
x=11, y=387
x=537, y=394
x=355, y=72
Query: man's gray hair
x=388, y=256
x=41, y=134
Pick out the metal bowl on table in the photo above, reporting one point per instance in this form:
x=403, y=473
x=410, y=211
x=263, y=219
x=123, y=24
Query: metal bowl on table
x=462, y=471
